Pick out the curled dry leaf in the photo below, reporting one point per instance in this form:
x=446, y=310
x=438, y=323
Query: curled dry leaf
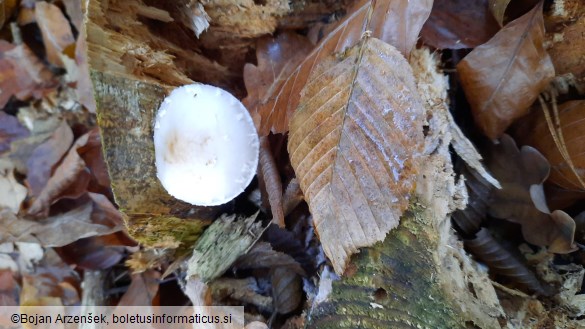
x=10, y=130
x=469, y=219
x=74, y=10
x=84, y=87
x=270, y=178
x=50, y=285
x=56, y=31
x=22, y=74
x=354, y=144
x=572, y=125
x=96, y=217
x=69, y=180
x=287, y=289
x=45, y=156
x=292, y=197
x=393, y=21
x=521, y=173
x=287, y=242
x=82, y=164
x=504, y=76
x=456, y=24
x=263, y=256
x=498, y=9
x=502, y=262
x=503, y=12
x=142, y=290
x=96, y=252
x=277, y=58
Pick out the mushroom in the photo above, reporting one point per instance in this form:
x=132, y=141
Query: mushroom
x=205, y=145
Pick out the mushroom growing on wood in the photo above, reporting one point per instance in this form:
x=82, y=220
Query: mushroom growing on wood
x=206, y=145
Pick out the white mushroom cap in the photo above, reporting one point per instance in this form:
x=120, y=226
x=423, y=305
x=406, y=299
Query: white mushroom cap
x=205, y=145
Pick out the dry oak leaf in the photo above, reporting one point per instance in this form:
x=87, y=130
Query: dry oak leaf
x=396, y=22
x=354, y=143
x=504, y=76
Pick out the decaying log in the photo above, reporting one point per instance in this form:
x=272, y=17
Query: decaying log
x=420, y=276
x=138, y=50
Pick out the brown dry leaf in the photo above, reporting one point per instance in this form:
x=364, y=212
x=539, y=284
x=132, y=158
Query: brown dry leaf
x=96, y=217
x=8, y=289
x=287, y=289
x=270, y=179
x=12, y=193
x=50, y=285
x=277, y=58
x=56, y=31
x=22, y=74
x=142, y=290
x=502, y=262
x=71, y=177
x=521, y=173
x=456, y=24
x=503, y=12
x=498, y=9
x=292, y=197
x=73, y=8
x=96, y=252
x=469, y=219
x=45, y=156
x=354, y=144
x=10, y=130
x=572, y=124
x=396, y=22
x=84, y=87
x=263, y=256
x=503, y=77
x=92, y=155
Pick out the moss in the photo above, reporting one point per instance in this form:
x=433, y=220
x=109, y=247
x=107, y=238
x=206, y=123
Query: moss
x=397, y=274
x=165, y=231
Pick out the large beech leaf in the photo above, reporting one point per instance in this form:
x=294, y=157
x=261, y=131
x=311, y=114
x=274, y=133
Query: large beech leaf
x=397, y=22
x=354, y=144
x=504, y=76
